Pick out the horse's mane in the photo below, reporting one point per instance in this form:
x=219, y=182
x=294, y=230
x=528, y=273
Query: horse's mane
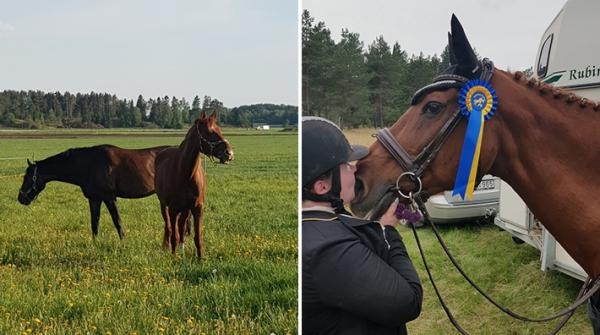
x=556, y=92
x=72, y=152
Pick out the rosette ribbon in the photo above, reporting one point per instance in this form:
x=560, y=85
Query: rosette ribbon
x=478, y=101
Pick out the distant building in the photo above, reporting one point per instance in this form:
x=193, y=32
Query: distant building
x=261, y=126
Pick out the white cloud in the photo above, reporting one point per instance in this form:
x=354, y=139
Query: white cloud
x=6, y=28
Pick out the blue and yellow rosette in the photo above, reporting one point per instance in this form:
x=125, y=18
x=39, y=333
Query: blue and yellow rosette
x=477, y=100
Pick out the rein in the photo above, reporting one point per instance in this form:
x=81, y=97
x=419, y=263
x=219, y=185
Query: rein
x=587, y=289
x=414, y=169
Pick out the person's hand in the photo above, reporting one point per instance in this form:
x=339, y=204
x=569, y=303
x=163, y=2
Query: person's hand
x=389, y=217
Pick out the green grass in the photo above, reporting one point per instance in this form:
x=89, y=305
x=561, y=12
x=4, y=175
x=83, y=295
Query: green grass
x=55, y=279
x=508, y=272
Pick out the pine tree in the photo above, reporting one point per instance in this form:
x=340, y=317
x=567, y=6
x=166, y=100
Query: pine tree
x=379, y=63
x=142, y=106
x=317, y=66
x=175, y=121
x=349, y=93
x=196, y=109
x=185, y=111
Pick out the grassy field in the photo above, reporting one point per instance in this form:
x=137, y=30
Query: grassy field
x=508, y=272
x=54, y=279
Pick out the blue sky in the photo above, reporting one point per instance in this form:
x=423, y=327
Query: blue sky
x=240, y=52
x=506, y=31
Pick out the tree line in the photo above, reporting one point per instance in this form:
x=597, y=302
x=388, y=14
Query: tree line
x=37, y=109
x=356, y=87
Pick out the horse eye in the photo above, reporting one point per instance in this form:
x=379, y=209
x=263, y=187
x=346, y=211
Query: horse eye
x=433, y=108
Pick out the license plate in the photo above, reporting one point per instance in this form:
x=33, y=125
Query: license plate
x=487, y=184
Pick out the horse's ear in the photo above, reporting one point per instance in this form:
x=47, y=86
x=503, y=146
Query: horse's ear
x=451, y=56
x=203, y=115
x=29, y=163
x=465, y=57
x=213, y=117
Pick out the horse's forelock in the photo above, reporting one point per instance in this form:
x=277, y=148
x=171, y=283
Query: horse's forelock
x=210, y=125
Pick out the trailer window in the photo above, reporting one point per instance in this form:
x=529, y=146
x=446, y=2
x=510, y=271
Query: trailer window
x=544, y=58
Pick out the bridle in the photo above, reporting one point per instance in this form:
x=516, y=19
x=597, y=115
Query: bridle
x=211, y=144
x=33, y=187
x=414, y=168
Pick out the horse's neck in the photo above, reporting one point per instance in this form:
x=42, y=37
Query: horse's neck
x=546, y=143
x=549, y=154
x=58, y=168
x=189, y=157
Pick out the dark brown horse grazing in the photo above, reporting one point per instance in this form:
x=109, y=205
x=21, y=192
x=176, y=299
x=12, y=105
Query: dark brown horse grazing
x=543, y=141
x=181, y=183
x=103, y=172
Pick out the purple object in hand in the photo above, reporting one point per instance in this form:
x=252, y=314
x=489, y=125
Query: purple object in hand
x=405, y=212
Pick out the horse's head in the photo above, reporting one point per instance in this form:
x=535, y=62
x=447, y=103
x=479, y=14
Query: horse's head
x=32, y=184
x=429, y=136
x=212, y=142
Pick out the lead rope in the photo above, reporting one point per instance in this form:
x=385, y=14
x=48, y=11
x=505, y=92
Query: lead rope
x=586, y=291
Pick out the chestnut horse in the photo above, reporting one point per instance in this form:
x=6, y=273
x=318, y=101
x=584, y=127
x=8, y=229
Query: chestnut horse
x=541, y=140
x=104, y=172
x=181, y=183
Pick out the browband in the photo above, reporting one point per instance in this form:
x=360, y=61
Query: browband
x=443, y=82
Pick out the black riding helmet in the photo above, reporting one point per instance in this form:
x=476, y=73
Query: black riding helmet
x=324, y=147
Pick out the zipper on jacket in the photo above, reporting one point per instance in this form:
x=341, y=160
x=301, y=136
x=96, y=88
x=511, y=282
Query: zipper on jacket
x=384, y=237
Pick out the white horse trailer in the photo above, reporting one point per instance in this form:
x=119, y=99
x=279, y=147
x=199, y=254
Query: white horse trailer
x=568, y=57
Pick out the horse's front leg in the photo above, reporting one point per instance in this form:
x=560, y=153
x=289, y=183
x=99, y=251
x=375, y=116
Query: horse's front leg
x=173, y=218
x=114, y=213
x=197, y=213
x=95, y=215
x=164, y=210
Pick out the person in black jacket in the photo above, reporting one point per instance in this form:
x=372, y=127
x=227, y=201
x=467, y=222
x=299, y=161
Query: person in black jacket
x=357, y=277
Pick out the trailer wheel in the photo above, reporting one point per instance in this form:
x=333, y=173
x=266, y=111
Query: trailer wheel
x=517, y=240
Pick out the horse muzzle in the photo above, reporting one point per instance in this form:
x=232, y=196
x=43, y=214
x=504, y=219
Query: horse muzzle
x=371, y=203
x=226, y=157
x=373, y=209
x=24, y=199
